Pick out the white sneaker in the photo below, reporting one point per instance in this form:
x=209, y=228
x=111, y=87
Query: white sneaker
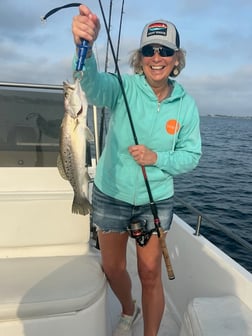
x=124, y=327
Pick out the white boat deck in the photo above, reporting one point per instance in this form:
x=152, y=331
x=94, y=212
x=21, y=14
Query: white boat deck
x=42, y=201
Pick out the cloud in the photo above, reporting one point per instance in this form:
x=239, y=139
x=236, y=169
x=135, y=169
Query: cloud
x=223, y=94
x=18, y=19
x=216, y=35
x=194, y=6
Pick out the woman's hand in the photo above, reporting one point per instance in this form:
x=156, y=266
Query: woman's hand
x=143, y=155
x=85, y=26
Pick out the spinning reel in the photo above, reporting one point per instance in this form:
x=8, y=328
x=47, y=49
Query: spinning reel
x=138, y=230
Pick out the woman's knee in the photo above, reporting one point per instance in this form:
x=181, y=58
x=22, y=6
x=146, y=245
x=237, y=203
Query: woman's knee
x=114, y=269
x=149, y=273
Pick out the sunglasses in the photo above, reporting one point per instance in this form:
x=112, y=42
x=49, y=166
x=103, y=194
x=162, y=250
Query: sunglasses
x=149, y=51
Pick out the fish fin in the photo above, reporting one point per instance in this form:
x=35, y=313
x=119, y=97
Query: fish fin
x=61, y=168
x=89, y=134
x=81, y=205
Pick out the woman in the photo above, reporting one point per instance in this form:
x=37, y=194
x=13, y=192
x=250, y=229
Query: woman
x=166, y=122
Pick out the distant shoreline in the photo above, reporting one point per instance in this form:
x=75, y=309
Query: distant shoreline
x=225, y=116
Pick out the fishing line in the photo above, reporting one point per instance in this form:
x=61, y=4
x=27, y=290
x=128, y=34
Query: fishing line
x=153, y=206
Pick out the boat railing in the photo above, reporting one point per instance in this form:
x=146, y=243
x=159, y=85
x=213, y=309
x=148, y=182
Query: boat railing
x=31, y=86
x=200, y=216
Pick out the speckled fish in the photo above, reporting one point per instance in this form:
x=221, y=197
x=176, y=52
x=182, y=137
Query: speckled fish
x=73, y=140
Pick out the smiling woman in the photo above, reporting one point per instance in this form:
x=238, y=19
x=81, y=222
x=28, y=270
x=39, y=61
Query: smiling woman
x=166, y=121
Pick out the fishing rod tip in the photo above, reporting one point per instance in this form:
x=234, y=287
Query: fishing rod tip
x=43, y=19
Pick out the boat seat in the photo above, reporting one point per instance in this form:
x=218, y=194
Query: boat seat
x=44, y=287
x=217, y=316
x=51, y=280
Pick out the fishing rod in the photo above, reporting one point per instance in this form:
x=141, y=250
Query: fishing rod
x=119, y=32
x=159, y=229
x=102, y=120
x=109, y=26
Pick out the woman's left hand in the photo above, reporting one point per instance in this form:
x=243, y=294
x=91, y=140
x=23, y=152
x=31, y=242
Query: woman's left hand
x=143, y=155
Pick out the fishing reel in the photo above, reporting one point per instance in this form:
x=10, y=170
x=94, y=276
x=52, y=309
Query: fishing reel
x=138, y=230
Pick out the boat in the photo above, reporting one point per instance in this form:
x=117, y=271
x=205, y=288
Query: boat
x=51, y=279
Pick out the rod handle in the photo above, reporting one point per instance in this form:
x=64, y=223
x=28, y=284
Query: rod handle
x=165, y=253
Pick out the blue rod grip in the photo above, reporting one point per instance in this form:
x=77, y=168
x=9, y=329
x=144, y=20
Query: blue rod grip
x=82, y=53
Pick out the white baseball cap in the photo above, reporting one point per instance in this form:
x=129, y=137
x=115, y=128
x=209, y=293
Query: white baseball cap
x=160, y=32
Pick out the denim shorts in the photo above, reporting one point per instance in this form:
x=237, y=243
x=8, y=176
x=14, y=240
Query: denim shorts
x=112, y=215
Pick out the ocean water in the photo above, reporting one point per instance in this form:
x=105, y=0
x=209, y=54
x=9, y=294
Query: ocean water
x=221, y=186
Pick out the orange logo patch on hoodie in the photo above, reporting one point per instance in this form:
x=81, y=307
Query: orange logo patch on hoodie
x=172, y=126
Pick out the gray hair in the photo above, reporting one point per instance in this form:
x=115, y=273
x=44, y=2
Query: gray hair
x=136, y=62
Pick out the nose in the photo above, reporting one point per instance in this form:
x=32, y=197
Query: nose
x=156, y=55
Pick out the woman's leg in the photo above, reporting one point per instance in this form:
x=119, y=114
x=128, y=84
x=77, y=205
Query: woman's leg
x=113, y=251
x=149, y=260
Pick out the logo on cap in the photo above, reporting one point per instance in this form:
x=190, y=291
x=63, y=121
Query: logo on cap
x=157, y=28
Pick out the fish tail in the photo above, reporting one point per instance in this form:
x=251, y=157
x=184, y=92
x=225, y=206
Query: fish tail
x=81, y=205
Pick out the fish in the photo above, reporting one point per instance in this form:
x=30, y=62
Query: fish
x=74, y=135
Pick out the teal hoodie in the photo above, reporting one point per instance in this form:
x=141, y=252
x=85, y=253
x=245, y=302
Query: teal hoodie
x=169, y=128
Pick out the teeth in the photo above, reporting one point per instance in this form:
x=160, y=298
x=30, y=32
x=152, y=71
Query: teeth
x=157, y=67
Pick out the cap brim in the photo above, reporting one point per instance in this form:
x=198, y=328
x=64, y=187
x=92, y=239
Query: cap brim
x=163, y=43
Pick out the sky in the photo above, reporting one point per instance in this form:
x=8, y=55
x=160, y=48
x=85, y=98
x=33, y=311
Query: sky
x=217, y=37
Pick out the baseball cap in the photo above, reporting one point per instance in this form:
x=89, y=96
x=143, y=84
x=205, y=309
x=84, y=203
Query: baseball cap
x=160, y=32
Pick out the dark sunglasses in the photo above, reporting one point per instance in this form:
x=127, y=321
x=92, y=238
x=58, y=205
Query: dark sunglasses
x=149, y=51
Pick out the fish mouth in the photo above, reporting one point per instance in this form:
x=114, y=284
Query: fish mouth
x=68, y=86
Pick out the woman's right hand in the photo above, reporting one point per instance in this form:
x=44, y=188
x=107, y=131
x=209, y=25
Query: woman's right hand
x=85, y=26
